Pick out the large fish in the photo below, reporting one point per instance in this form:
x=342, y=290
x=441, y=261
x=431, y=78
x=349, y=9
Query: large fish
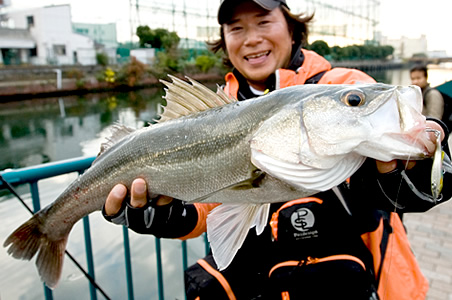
x=288, y=144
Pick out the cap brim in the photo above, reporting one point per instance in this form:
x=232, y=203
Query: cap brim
x=225, y=9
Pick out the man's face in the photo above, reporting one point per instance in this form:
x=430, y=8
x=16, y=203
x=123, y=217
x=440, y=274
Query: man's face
x=258, y=42
x=418, y=78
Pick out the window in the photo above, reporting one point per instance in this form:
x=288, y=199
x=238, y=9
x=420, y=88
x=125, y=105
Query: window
x=30, y=21
x=34, y=52
x=81, y=30
x=59, y=49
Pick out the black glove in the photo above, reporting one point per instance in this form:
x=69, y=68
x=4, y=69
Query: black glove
x=175, y=219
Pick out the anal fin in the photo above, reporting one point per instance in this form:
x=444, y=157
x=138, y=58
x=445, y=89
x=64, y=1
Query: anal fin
x=229, y=224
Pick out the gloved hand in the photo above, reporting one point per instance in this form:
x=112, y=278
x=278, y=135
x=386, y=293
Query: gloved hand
x=136, y=213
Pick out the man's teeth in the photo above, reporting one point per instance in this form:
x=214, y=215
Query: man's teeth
x=257, y=55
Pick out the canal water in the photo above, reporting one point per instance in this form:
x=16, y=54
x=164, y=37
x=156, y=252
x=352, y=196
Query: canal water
x=37, y=131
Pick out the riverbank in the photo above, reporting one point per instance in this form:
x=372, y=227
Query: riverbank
x=43, y=85
x=25, y=82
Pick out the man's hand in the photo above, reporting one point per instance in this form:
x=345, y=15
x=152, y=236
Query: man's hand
x=386, y=167
x=138, y=197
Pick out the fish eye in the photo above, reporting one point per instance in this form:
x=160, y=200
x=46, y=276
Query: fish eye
x=353, y=98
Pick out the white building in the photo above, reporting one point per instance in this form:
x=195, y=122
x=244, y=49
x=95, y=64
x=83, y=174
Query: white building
x=103, y=34
x=56, y=43
x=405, y=48
x=16, y=46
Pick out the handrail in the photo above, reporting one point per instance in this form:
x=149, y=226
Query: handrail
x=38, y=172
x=32, y=175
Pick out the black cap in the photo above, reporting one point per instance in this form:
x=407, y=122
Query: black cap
x=226, y=7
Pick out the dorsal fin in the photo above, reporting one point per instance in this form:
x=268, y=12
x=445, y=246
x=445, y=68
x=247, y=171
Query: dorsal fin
x=118, y=132
x=183, y=98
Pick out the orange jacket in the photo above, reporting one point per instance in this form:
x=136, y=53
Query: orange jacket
x=313, y=64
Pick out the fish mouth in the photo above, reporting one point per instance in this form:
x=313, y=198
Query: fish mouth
x=416, y=139
x=422, y=138
x=257, y=55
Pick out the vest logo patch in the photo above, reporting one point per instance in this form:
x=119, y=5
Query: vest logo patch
x=303, y=220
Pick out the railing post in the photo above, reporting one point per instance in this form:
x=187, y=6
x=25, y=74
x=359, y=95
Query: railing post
x=128, y=263
x=184, y=259
x=89, y=256
x=206, y=244
x=36, y=207
x=158, y=251
x=184, y=255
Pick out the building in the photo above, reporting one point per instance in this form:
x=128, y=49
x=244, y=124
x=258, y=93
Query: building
x=55, y=42
x=103, y=34
x=405, y=48
x=16, y=46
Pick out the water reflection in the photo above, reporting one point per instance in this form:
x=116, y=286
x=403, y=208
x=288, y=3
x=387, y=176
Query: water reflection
x=43, y=130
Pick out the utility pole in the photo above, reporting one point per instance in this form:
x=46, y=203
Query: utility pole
x=131, y=21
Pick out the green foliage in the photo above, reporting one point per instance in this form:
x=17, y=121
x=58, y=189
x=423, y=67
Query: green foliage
x=205, y=62
x=167, y=62
x=352, y=52
x=320, y=47
x=102, y=59
x=132, y=72
x=386, y=50
x=79, y=77
x=159, y=38
x=80, y=83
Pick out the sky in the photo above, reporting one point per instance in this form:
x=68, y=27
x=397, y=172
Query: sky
x=409, y=18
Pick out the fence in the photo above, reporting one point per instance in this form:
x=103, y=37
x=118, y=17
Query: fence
x=32, y=175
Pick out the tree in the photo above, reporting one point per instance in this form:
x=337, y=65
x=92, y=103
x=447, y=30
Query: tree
x=159, y=38
x=102, y=59
x=320, y=47
x=205, y=62
x=386, y=51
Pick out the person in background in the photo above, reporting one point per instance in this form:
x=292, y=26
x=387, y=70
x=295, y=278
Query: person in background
x=433, y=101
x=340, y=253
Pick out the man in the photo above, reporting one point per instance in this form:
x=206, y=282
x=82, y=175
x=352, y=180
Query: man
x=263, y=41
x=433, y=101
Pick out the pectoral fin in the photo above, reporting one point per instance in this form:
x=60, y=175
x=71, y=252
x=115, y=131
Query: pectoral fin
x=307, y=177
x=229, y=224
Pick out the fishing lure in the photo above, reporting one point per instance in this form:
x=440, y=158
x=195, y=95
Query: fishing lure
x=437, y=167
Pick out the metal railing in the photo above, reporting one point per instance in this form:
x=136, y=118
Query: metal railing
x=32, y=175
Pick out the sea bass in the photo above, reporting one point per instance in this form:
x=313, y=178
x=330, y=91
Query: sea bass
x=288, y=144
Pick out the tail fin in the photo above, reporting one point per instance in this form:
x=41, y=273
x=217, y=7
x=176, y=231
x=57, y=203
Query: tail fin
x=28, y=239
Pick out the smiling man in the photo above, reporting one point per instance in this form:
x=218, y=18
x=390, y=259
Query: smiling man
x=318, y=247
x=258, y=43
